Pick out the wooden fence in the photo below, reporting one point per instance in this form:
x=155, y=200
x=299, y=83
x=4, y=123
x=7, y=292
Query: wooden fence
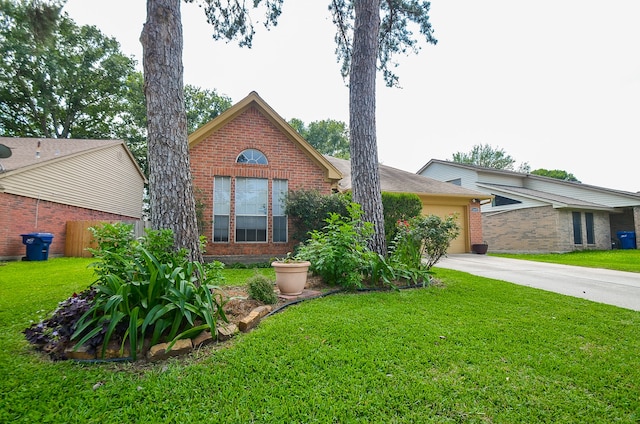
x=79, y=238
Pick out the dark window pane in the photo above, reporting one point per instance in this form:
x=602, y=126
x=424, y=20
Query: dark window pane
x=279, y=229
x=577, y=228
x=221, y=228
x=503, y=201
x=588, y=217
x=251, y=228
x=252, y=156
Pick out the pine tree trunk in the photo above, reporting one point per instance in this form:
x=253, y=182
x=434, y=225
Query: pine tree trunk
x=365, y=176
x=171, y=189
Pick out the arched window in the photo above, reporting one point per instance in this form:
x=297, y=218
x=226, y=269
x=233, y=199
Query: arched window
x=252, y=156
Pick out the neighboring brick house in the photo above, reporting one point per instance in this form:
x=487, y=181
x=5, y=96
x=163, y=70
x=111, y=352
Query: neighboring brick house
x=535, y=214
x=46, y=183
x=243, y=163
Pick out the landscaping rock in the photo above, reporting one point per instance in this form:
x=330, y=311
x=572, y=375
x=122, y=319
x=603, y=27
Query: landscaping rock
x=158, y=352
x=113, y=350
x=84, y=353
x=226, y=331
x=251, y=320
x=202, y=339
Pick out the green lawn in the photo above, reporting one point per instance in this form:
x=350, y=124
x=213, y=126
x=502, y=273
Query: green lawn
x=471, y=351
x=621, y=260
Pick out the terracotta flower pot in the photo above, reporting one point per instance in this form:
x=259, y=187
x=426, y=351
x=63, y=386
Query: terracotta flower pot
x=480, y=249
x=291, y=277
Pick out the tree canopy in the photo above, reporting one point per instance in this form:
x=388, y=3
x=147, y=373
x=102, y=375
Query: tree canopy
x=201, y=105
x=58, y=79
x=555, y=173
x=61, y=80
x=495, y=157
x=329, y=137
x=489, y=157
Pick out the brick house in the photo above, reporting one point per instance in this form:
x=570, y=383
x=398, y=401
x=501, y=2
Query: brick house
x=46, y=183
x=245, y=160
x=535, y=214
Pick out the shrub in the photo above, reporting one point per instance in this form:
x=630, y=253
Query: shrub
x=260, y=288
x=309, y=210
x=423, y=238
x=398, y=207
x=339, y=253
x=145, y=289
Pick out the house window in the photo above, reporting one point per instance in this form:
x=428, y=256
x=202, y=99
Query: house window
x=252, y=196
x=457, y=181
x=252, y=156
x=221, y=208
x=503, y=201
x=577, y=228
x=588, y=217
x=279, y=191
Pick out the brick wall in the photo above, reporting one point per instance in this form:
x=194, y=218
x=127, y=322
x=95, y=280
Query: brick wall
x=20, y=215
x=475, y=223
x=523, y=230
x=216, y=156
x=541, y=230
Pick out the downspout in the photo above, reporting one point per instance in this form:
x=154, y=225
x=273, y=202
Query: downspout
x=37, y=207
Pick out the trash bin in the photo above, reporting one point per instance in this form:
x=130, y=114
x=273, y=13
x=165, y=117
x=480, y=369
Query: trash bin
x=627, y=239
x=37, y=246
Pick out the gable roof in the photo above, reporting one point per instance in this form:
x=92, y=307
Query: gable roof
x=399, y=181
x=556, y=200
x=527, y=176
x=99, y=175
x=254, y=100
x=29, y=153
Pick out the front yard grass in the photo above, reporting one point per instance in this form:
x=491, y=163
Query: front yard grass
x=472, y=350
x=620, y=260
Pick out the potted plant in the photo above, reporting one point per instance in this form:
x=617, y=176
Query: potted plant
x=480, y=248
x=291, y=274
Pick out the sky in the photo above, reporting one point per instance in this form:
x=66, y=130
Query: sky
x=554, y=83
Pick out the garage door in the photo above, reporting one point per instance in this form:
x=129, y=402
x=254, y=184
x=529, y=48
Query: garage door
x=459, y=244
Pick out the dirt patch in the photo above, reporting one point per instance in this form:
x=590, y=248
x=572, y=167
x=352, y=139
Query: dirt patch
x=240, y=305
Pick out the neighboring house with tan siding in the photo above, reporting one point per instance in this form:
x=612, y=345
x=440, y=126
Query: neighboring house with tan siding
x=438, y=198
x=47, y=182
x=531, y=213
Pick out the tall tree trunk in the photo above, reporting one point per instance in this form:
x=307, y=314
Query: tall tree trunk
x=365, y=176
x=171, y=187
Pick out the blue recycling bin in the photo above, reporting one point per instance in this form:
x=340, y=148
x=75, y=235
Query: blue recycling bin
x=627, y=239
x=37, y=246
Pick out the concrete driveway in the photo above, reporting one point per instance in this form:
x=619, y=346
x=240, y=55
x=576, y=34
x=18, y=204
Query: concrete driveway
x=599, y=285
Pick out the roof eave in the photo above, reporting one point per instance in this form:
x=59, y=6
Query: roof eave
x=332, y=173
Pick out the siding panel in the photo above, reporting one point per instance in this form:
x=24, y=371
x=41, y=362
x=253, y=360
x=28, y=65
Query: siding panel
x=104, y=180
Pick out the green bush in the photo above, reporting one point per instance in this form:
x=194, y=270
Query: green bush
x=340, y=253
x=260, y=288
x=398, y=207
x=145, y=289
x=422, y=241
x=309, y=210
